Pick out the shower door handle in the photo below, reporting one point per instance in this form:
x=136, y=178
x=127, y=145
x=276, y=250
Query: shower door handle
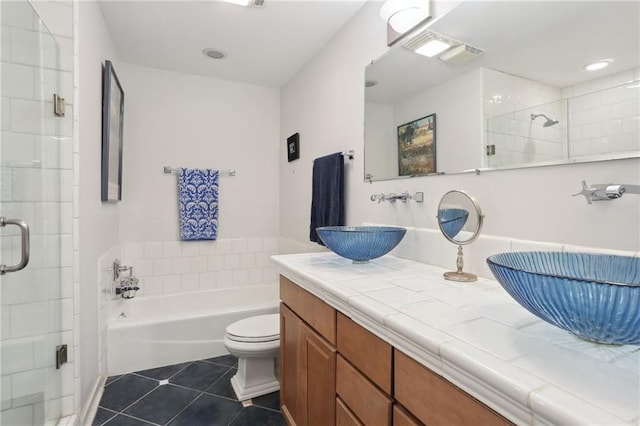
x=24, y=257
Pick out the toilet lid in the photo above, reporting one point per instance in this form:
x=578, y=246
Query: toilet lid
x=261, y=328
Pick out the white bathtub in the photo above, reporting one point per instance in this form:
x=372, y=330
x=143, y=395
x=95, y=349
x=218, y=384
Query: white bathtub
x=155, y=331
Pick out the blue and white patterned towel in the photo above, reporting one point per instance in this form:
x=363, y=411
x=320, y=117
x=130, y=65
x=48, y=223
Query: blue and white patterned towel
x=198, y=199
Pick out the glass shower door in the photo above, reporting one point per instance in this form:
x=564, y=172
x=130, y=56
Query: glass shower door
x=33, y=299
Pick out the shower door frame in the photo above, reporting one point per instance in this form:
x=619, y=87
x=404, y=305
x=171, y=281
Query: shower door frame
x=36, y=303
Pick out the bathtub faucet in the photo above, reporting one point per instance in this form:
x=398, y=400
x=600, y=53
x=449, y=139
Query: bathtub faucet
x=125, y=286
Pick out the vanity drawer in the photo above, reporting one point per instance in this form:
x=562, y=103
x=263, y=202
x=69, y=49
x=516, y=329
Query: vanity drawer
x=371, y=405
x=366, y=351
x=312, y=310
x=402, y=417
x=435, y=401
x=344, y=416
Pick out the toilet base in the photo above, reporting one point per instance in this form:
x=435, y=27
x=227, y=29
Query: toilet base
x=255, y=377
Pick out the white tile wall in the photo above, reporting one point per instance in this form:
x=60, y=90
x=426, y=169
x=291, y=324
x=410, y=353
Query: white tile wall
x=605, y=121
x=168, y=267
x=602, y=115
x=429, y=246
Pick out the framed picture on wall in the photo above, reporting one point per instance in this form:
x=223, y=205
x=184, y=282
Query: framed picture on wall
x=112, y=131
x=417, y=147
x=293, y=147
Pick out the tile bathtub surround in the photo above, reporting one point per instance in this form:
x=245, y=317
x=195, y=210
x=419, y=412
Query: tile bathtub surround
x=477, y=337
x=168, y=267
x=190, y=394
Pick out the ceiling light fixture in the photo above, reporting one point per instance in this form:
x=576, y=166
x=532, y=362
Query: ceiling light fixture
x=603, y=63
x=402, y=16
x=213, y=53
x=430, y=44
x=257, y=3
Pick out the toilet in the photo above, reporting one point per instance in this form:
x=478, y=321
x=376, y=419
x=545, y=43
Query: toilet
x=255, y=341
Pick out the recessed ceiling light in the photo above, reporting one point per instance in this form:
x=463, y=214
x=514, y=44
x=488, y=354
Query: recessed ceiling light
x=246, y=2
x=433, y=47
x=213, y=53
x=598, y=65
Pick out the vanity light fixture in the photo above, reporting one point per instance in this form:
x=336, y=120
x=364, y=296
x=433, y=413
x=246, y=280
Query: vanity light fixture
x=430, y=44
x=402, y=15
x=603, y=63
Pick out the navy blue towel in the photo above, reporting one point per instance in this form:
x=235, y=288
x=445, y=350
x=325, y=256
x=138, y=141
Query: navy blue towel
x=327, y=196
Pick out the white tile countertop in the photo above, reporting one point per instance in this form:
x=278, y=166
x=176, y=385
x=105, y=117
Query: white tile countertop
x=477, y=337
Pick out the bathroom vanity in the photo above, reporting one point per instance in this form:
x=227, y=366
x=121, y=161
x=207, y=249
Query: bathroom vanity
x=391, y=342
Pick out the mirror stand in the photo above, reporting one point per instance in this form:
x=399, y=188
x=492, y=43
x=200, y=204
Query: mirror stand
x=459, y=275
x=460, y=220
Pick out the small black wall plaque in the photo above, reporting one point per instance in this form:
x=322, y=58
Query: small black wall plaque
x=293, y=147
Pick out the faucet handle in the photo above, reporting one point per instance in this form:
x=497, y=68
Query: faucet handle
x=587, y=192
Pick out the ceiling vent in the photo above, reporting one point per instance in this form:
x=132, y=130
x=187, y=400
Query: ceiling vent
x=461, y=54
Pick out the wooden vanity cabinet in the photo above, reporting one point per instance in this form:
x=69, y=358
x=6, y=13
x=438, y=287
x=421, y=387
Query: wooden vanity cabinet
x=434, y=400
x=402, y=417
x=334, y=371
x=307, y=358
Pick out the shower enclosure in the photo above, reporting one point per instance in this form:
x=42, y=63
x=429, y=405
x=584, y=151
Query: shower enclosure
x=598, y=125
x=36, y=301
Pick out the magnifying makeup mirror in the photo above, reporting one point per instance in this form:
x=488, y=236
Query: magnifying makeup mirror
x=460, y=219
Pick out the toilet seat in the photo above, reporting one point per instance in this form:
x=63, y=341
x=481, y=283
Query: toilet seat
x=261, y=328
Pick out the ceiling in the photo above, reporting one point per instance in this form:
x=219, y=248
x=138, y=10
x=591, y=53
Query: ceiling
x=544, y=41
x=264, y=46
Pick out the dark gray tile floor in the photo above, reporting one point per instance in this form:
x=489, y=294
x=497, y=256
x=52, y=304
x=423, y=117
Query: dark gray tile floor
x=189, y=394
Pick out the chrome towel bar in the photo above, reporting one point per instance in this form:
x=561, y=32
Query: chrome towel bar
x=229, y=172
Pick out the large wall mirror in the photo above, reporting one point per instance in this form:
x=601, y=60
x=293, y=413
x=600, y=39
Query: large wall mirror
x=525, y=100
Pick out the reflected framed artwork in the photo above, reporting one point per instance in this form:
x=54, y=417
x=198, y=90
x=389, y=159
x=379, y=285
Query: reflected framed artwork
x=417, y=147
x=112, y=132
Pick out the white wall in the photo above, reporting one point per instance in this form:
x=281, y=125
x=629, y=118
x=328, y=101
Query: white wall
x=457, y=104
x=324, y=102
x=98, y=222
x=182, y=120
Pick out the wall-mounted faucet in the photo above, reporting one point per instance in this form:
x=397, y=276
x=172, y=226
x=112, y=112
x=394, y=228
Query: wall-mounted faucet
x=124, y=286
x=606, y=191
x=418, y=197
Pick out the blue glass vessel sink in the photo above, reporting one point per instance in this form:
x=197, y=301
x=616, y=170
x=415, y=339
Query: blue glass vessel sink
x=452, y=220
x=596, y=297
x=361, y=243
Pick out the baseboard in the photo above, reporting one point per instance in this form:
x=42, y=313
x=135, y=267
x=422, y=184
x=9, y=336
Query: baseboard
x=91, y=407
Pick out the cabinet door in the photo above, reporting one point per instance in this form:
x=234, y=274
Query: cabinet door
x=319, y=370
x=291, y=329
x=307, y=373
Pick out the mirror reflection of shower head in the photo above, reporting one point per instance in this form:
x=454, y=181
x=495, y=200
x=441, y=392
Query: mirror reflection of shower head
x=550, y=121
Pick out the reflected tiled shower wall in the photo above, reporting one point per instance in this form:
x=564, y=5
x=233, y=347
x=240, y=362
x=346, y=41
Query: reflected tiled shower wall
x=604, y=115
x=47, y=307
x=595, y=118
